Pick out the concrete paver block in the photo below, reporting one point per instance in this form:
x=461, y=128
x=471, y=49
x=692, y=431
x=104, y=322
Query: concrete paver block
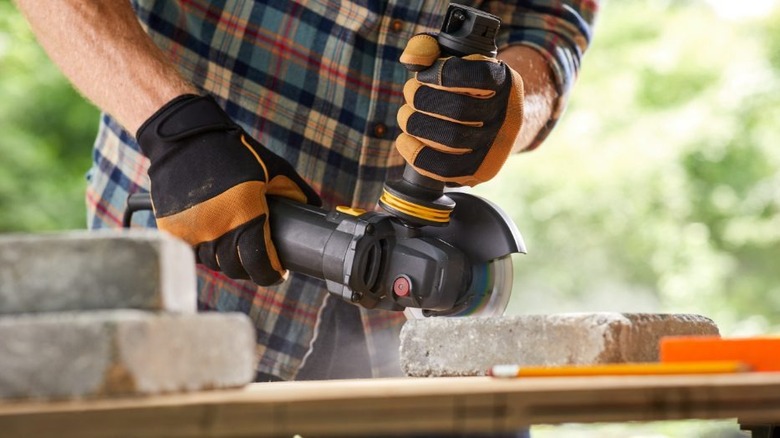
x=117, y=352
x=471, y=346
x=85, y=270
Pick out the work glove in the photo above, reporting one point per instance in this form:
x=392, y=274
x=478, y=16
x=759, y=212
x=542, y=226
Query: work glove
x=462, y=115
x=209, y=183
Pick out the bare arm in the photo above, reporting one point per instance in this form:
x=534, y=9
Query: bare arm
x=539, y=88
x=102, y=49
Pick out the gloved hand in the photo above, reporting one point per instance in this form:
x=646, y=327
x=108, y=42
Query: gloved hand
x=209, y=182
x=462, y=115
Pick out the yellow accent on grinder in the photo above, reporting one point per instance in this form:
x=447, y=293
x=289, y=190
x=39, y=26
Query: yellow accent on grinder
x=352, y=211
x=415, y=210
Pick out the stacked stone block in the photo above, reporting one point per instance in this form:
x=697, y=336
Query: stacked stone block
x=108, y=313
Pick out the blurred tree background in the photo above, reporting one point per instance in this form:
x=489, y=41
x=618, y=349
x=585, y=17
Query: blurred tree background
x=46, y=135
x=660, y=188
x=658, y=191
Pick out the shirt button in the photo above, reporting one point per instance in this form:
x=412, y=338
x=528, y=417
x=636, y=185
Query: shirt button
x=380, y=130
x=397, y=25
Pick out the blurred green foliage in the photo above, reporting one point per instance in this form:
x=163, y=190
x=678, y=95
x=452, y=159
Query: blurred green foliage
x=660, y=188
x=46, y=134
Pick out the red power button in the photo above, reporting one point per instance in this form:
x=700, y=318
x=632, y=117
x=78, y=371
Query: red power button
x=402, y=286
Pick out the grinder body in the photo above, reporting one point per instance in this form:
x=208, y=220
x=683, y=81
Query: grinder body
x=377, y=261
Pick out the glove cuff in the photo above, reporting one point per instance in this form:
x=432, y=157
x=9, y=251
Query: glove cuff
x=182, y=117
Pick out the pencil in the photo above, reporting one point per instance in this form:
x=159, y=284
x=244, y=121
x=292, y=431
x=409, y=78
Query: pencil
x=620, y=369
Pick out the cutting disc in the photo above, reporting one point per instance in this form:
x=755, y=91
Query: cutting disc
x=491, y=288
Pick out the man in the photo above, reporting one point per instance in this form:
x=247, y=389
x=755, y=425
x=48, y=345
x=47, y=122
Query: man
x=211, y=105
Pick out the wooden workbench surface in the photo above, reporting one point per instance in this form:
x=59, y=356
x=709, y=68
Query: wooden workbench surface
x=364, y=407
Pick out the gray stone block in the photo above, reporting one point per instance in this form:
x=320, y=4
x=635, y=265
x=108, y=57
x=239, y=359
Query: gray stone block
x=120, y=352
x=471, y=346
x=83, y=270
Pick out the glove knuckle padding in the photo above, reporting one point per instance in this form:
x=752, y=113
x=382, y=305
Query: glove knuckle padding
x=209, y=181
x=455, y=72
x=460, y=107
x=445, y=134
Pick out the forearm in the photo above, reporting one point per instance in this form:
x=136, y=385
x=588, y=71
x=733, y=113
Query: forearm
x=539, y=90
x=559, y=31
x=102, y=49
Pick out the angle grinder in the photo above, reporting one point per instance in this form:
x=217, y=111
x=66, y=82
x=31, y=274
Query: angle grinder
x=456, y=265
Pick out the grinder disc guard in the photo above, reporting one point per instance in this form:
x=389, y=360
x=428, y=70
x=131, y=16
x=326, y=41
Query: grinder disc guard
x=486, y=234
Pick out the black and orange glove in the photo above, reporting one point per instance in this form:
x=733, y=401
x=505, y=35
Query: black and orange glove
x=209, y=183
x=462, y=115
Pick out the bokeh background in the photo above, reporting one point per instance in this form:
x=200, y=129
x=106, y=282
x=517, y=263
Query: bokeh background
x=659, y=191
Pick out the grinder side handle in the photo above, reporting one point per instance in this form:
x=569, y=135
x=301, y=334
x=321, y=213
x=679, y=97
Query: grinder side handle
x=416, y=198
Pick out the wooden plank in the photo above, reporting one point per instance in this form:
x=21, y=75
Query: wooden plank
x=359, y=407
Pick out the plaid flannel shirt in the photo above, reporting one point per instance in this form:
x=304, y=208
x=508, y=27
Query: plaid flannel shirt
x=319, y=83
